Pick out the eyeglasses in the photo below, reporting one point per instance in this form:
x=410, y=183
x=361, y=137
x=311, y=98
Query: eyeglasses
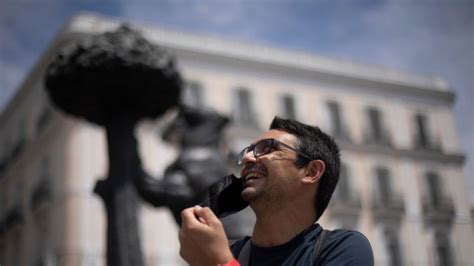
x=266, y=146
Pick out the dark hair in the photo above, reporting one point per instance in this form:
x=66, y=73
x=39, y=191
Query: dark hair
x=318, y=145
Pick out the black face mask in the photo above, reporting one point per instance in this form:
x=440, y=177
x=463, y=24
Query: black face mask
x=225, y=196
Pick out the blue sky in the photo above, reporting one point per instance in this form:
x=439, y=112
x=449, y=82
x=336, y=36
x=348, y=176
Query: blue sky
x=425, y=36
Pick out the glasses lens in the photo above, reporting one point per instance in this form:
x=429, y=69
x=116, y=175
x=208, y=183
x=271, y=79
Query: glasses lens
x=263, y=147
x=260, y=148
x=242, y=154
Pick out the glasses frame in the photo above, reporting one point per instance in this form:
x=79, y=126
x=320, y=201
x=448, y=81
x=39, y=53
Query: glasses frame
x=273, y=144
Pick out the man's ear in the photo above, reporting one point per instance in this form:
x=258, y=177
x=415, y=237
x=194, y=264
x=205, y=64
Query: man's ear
x=314, y=170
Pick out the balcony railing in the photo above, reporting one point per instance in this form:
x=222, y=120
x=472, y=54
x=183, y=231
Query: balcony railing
x=12, y=155
x=426, y=144
x=345, y=204
x=442, y=212
x=383, y=140
x=17, y=150
x=44, y=119
x=391, y=208
x=342, y=134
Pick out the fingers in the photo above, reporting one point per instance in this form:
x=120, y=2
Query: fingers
x=188, y=224
x=199, y=217
x=191, y=217
x=207, y=215
x=202, y=238
x=187, y=217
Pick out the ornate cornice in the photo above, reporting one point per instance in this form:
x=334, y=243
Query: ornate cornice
x=302, y=64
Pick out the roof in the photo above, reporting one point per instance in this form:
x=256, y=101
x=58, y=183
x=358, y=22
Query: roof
x=94, y=23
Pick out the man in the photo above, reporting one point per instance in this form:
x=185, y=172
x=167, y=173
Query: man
x=289, y=174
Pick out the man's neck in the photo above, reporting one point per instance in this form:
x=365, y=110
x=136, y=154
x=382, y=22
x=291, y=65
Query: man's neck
x=277, y=226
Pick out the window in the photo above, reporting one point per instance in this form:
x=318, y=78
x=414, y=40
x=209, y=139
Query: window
x=335, y=115
x=376, y=131
x=375, y=123
x=243, y=112
x=20, y=141
x=43, y=118
x=383, y=193
x=423, y=138
x=193, y=94
x=41, y=210
x=443, y=249
x=288, y=107
x=343, y=190
x=433, y=189
x=422, y=134
x=393, y=247
x=337, y=125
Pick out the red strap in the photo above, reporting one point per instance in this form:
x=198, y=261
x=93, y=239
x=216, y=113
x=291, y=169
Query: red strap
x=233, y=262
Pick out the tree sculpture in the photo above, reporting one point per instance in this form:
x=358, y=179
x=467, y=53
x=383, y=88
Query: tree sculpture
x=114, y=80
x=200, y=163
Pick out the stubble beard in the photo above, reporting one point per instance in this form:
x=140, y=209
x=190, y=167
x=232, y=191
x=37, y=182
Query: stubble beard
x=260, y=198
x=251, y=194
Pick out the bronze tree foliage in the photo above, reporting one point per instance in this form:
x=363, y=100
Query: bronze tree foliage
x=115, y=79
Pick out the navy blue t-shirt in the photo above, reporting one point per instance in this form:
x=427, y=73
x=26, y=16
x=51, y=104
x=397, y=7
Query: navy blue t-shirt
x=341, y=247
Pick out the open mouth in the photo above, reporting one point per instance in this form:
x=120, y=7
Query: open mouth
x=252, y=176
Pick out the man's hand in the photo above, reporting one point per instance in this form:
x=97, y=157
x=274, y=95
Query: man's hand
x=202, y=238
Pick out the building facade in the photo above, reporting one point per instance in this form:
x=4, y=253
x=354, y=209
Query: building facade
x=401, y=184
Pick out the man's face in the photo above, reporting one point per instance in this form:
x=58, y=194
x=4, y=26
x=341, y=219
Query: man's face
x=272, y=177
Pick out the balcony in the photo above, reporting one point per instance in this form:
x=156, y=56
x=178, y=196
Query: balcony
x=341, y=134
x=18, y=149
x=345, y=205
x=423, y=144
x=44, y=118
x=440, y=212
x=12, y=155
x=383, y=139
x=389, y=207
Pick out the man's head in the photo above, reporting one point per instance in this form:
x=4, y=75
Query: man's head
x=296, y=148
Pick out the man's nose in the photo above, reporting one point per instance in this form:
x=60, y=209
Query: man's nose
x=248, y=157
x=248, y=161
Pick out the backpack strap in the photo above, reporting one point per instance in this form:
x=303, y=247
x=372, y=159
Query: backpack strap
x=244, y=255
x=317, y=247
